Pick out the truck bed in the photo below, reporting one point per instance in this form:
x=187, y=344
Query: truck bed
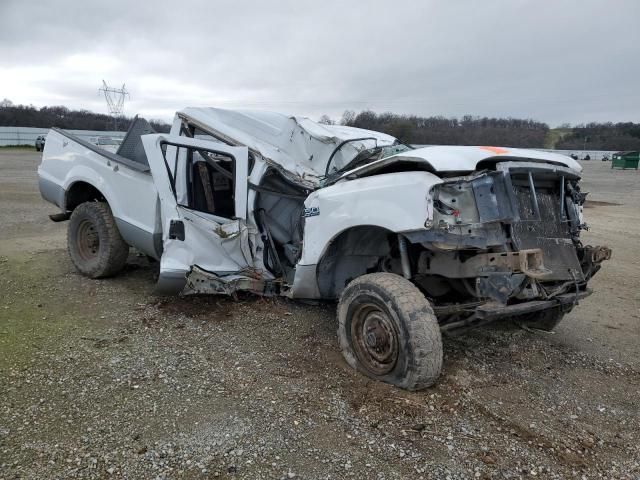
x=71, y=167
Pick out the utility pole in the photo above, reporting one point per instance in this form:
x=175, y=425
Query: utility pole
x=115, y=101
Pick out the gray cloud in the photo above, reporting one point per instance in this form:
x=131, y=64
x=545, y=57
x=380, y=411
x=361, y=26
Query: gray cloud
x=556, y=61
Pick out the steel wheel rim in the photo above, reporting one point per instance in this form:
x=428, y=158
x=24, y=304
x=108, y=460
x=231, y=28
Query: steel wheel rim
x=375, y=339
x=87, y=240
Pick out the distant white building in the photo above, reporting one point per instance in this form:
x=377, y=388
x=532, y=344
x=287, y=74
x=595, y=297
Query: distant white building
x=28, y=135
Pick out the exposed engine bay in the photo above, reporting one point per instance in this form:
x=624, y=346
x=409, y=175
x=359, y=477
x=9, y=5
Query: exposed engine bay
x=503, y=236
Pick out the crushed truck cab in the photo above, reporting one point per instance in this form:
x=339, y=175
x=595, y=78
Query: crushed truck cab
x=410, y=242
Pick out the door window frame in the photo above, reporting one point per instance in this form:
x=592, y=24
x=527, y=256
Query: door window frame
x=172, y=175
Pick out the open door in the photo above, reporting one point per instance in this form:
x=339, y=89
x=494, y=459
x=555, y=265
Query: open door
x=202, y=189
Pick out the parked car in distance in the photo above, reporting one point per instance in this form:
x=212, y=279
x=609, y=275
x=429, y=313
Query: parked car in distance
x=40, y=142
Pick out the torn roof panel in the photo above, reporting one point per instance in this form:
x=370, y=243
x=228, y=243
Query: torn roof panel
x=302, y=147
x=298, y=144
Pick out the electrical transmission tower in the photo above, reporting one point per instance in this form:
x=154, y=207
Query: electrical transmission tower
x=115, y=101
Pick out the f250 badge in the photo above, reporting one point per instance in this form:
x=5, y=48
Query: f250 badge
x=311, y=212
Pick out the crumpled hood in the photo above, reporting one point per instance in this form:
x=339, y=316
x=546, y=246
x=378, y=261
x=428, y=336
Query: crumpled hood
x=299, y=145
x=461, y=158
x=445, y=158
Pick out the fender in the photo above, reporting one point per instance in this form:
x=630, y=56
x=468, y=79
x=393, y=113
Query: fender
x=82, y=173
x=394, y=201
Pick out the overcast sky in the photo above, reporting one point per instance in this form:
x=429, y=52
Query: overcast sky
x=551, y=60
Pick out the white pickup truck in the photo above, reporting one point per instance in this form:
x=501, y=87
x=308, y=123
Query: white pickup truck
x=411, y=242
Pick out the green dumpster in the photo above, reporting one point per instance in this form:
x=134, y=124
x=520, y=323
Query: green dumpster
x=625, y=160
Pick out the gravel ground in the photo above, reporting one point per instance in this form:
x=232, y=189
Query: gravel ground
x=101, y=379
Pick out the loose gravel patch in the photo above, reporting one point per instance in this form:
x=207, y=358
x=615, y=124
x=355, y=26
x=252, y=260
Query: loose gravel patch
x=102, y=379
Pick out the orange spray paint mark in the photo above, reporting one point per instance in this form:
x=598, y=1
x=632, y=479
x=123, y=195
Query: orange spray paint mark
x=496, y=150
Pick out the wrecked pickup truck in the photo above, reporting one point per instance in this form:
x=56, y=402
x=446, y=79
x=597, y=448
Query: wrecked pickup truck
x=410, y=242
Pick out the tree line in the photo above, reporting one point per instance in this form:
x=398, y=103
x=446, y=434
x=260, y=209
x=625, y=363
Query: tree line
x=62, y=117
x=411, y=129
x=439, y=130
x=602, y=136
x=508, y=132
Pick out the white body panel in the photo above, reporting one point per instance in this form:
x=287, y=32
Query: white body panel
x=131, y=194
x=445, y=158
x=210, y=242
x=395, y=201
x=299, y=145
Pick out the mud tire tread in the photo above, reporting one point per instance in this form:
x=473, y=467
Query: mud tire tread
x=421, y=343
x=113, y=251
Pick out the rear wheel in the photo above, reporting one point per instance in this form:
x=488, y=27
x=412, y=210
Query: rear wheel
x=95, y=245
x=388, y=331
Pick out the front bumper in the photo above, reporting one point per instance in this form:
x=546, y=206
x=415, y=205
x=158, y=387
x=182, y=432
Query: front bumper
x=492, y=311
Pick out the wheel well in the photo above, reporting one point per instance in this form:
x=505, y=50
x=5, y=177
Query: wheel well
x=81, y=192
x=352, y=253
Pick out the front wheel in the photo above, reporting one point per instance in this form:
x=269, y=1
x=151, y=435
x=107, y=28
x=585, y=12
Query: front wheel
x=388, y=331
x=95, y=245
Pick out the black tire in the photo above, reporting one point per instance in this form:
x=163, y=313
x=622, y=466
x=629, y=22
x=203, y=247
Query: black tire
x=403, y=344
x=95, y=245
x=545, y=320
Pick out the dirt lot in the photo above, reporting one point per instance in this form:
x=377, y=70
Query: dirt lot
x=101, y=379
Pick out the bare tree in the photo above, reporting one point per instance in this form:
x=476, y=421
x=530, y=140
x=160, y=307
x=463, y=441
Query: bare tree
x=326, y=120
x=348, y=117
